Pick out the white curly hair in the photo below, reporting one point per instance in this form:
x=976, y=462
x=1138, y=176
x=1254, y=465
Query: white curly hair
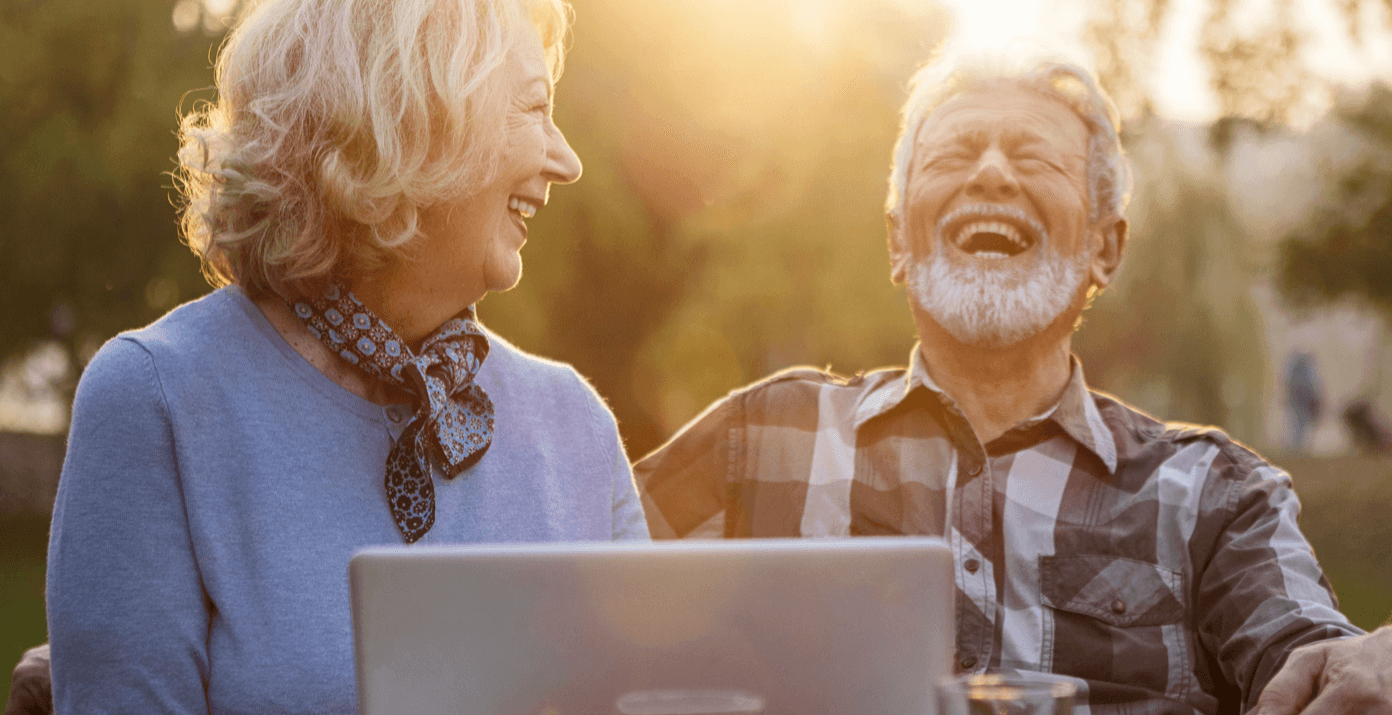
x=336, y=123
x=1052, y=71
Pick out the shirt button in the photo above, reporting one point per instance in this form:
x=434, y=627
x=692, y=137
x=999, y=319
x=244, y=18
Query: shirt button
x=1118, y=607
x=968, y=662
x=972, y=565
x=394, y=415
x=975, y=470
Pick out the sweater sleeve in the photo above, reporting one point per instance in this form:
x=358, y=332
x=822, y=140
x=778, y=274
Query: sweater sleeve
x=127, y=613
x=627, y=522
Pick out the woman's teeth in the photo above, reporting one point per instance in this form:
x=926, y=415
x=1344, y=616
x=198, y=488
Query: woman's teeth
x=522, y=207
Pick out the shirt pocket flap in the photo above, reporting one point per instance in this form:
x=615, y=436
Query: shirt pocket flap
x=1121, y=592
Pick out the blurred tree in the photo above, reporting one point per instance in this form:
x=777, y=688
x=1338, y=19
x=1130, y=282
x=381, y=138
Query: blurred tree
x=87, y=233
x=1254, y=52
x=1178, y=332
x=1123, y=34
x=730, y=219
x=1345, y=249
x=728, y=223
x=1260, y=73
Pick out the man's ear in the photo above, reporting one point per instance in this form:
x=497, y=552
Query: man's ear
x=898, y=246
x=1110, y=236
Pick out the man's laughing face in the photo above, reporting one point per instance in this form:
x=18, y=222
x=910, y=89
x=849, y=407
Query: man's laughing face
x=995, y=238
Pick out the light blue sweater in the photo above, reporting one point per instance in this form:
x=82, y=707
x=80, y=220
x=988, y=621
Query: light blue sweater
x=216, y=485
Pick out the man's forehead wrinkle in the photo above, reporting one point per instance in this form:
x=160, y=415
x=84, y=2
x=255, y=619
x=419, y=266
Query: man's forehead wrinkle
x=971, y=138
x=1017, y=137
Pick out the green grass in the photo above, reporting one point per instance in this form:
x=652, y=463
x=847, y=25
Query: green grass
x=23, y=543
x=1347, y=517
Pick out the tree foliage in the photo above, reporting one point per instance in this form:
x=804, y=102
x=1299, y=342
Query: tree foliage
x=729, y=222
x=1255, y=52
x=1259, y=73
x=1178, y=332
x=1345, y=249
x=87, y=234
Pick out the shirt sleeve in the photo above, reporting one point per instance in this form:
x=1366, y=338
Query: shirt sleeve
x=1262, y=594
x=127, y=613
x=684, y=483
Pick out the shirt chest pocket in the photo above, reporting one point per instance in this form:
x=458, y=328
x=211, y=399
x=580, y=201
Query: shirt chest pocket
x=1118, y=591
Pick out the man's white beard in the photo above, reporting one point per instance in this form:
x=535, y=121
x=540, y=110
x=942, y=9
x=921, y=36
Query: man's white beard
x=975, y=306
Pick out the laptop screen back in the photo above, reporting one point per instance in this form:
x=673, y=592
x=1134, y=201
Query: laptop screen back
x=799, y=626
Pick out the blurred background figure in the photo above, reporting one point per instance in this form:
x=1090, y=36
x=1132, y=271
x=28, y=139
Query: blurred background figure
x=1368, y=427
x=1304, y=399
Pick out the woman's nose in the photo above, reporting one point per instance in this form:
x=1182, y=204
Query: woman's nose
x=562, y=164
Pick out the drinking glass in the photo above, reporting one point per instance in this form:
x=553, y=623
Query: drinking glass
x=1007, y=694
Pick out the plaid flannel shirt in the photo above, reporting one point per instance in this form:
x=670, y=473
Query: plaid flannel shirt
x=1158, y=564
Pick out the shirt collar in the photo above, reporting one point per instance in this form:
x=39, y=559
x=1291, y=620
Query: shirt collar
x=1075, y=412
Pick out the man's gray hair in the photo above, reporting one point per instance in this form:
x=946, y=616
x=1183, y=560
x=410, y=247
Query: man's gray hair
x=953, y=72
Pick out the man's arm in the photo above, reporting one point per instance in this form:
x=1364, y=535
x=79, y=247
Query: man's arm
x=1261, y=596
x=1343, y=677
x=31, y=691
x=684, y=483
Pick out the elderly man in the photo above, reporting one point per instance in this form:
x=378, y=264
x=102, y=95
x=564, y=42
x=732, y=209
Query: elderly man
x=1158, y=564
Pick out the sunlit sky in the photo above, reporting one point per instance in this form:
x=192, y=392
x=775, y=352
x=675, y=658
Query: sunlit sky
x=1180, y=87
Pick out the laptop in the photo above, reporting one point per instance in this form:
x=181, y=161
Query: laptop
x=772, y=626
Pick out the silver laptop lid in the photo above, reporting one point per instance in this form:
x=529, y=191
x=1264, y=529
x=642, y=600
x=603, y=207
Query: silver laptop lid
x=795, y=627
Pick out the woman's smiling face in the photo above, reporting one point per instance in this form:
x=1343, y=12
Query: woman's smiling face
x=472, y=244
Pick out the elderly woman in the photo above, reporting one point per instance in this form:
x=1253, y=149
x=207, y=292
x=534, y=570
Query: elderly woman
x=365, y=177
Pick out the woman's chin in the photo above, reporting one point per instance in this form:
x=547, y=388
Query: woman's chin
x=503, y=275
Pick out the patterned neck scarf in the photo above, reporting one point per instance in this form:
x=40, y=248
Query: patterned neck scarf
x=453, y=420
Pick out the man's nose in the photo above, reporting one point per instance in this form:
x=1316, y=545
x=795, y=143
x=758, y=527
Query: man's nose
x=993, y=180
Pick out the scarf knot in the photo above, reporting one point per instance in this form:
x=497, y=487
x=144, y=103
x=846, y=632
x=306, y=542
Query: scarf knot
x=452, y=421
x=455, y=414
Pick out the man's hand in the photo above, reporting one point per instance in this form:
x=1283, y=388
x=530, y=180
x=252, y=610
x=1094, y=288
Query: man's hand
x=1351, y=676
x=31, y=691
